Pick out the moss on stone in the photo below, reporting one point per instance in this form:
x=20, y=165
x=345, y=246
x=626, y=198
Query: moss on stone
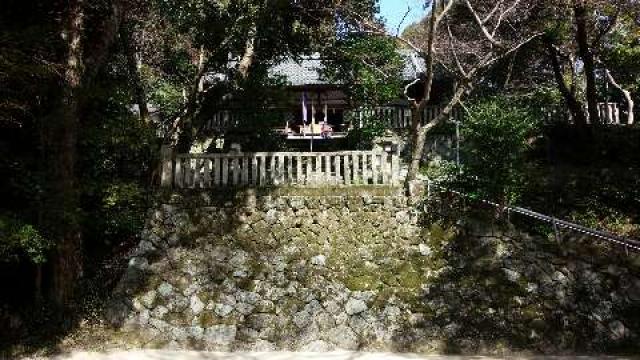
x=177, y=318
x=409, y=278
x=207, y=319
x=361, y=282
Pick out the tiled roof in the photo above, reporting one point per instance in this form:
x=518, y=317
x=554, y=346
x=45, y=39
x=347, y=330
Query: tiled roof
x=413, y=65
x=307, y=70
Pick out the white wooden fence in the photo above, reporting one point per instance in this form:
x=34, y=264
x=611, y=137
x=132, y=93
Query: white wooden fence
x=399, y=117
x=609, y=113
x=205, y=171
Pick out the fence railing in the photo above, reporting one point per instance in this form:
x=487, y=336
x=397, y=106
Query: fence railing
x=399, y=117
x=609, y=113
x=347, y=168
x=395, y=117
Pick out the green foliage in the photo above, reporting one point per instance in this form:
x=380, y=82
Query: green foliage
x=362, y=138
x=369, y=66
x=119, y=156
x=445, y=172
x=622, y=53
x=19, y=240
x=257, y=140
x=497, y=134
x=122, y=212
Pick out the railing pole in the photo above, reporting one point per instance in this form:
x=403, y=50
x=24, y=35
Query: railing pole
x=254, y=170
x=327, y=168
x=216, y=170
x=299, y=170
x=338, y=178
x=179, y=176
x=281, y=174
x=225, y=171
x=347, y=169
x=263, y=170
x=196, y=173
x=308, y=162
x=318, y=173
x=245, y=170
x=289, y=179
x=235, y=168
x=356, y=172
x=374, y=163
x=272, y=170
x=395, y=169
x=383, y=168
x=166, y=154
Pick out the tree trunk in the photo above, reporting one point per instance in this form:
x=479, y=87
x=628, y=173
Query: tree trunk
x=249, y=53
x=186, y=130
x=627, y=96
x=417, y=143
x=420, y=136
x=140, y=96
x=417, y=136
x=61, y=137
x=575, y=107
x=581, y=17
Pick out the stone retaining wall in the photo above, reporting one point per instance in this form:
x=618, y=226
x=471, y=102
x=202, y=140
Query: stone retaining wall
x=309, y=270
x=294, y=271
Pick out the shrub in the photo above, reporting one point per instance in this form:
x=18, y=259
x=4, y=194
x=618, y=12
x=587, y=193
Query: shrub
x=496, y=136
x=362, y=138
x=19, y=240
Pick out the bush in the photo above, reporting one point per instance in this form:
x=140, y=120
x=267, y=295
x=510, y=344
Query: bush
x=119, y=156
x=19, y=240
x=496, y=136
x=362, y=138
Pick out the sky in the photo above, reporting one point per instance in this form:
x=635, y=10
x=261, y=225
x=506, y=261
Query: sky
x=394, y=10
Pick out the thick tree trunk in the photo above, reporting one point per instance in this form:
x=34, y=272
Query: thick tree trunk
x=575, y=106
x=140, y=96
x=62, y=200
x=98, y=48
x=582, y=38
x=627, y=96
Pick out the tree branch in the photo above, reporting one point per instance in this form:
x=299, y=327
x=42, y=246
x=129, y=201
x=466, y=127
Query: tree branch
x=482, y=26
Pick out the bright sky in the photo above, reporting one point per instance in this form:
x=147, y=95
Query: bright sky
x=394, y=10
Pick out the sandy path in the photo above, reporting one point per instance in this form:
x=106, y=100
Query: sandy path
x=342, y=355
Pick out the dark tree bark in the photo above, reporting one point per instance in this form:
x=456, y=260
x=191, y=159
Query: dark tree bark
x=60, y=210
x=574, y=105
x=60, y=214
x=184, y=129
x=582, y=38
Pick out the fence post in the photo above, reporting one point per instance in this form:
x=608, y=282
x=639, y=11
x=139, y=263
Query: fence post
x=166, y=156
x=395, y=168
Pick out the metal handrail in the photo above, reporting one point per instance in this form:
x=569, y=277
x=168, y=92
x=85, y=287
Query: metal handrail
x=629, y=244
